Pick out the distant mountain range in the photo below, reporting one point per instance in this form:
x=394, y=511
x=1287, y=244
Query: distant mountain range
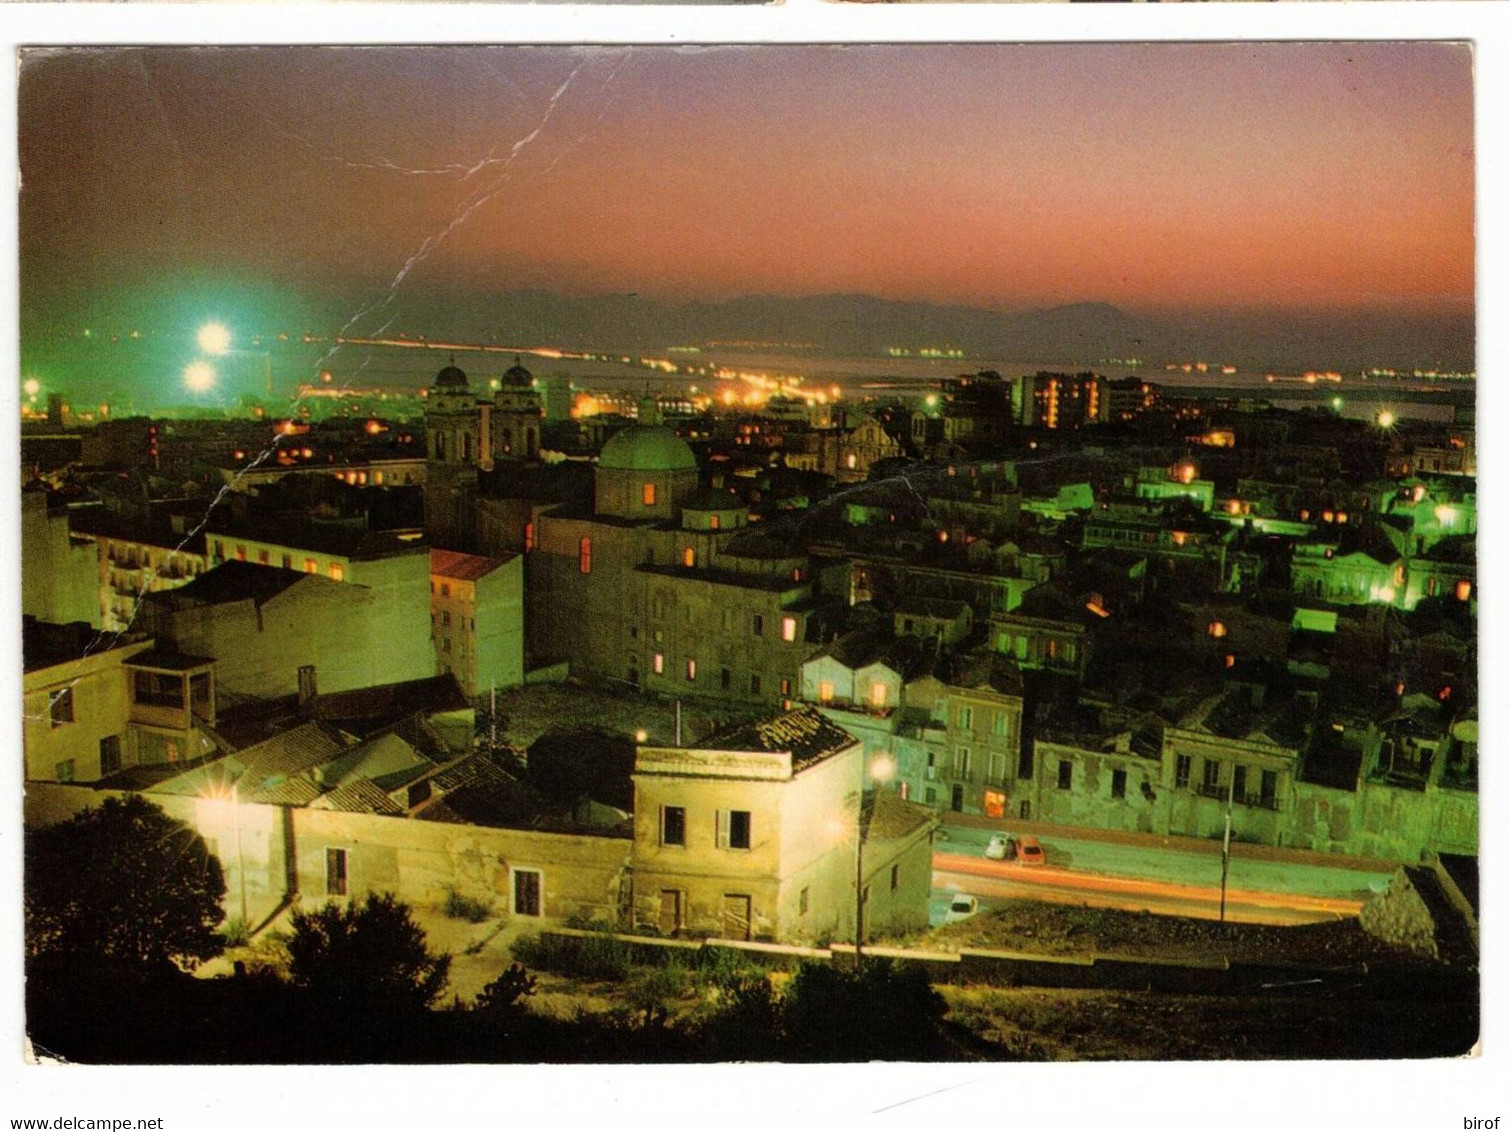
x=1089, y=333
x=1079, y=333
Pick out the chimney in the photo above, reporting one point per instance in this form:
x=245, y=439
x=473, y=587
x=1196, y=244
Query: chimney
x=307, y=691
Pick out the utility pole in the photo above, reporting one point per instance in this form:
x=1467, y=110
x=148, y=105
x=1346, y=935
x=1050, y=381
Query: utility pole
x=1226, y=854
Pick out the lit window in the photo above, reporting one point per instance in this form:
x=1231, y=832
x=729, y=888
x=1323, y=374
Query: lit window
x=529, y=537
x=1464, y=589
x=878, y=695
x=789, y=628
x=264, y=558
x=647, y=495
x=786, y=687
x=584, y=556
x=288, y=561
x=241, y=554
x=1217, y=629
x=691, y=669
x=337, y=572
x=713, y=522
x=689, y=557
x=658, y=663
x=311, y=566
x=825, y=691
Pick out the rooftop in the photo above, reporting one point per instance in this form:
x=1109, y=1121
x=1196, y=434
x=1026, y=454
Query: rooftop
x=463, y=567
x=804, y=732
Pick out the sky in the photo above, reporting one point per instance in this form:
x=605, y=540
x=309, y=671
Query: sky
x=1150, y=176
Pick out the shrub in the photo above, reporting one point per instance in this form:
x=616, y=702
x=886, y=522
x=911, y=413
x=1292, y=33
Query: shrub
x=371, y=956
x=460, y=907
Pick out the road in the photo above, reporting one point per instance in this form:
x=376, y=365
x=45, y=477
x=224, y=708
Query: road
x=1138, y=878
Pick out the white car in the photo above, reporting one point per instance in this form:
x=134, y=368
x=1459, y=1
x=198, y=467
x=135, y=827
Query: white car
x=999, y=848
x=962, y=907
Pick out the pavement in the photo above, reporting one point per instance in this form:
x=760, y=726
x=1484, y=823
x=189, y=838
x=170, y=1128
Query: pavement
x=1171, y=876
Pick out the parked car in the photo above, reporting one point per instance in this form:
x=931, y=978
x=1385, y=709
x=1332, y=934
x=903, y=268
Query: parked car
x=962, y=907
x=1029, y=852
x=999, y=848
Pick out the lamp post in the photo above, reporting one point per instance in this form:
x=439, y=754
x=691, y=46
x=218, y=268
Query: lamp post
x=1226, y=855
x=880, y=770
x=232, y=795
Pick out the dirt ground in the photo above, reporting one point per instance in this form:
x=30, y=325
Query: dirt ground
x=1067, y=930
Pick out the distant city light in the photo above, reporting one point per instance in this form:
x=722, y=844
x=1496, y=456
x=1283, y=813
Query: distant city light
x=1385, y=419
x=199, y=377
x=31, y=386
x=214, y=338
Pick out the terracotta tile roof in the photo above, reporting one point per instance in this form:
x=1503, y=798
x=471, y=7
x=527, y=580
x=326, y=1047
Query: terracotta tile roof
x=463, y=567
x=359, y=796
x=805, y=733
x=888, y=817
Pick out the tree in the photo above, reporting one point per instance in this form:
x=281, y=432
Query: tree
x=881, y=1012
x=371, y=957
x=565, y=765
x=122, y=882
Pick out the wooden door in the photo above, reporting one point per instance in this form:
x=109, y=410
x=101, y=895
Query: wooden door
x=671, y=911
x=736, y=916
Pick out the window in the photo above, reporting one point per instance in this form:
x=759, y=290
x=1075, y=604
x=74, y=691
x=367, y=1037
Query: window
x=691, y=670
x=288, y=561
x=445, y=589
x=529, y=537
x=1211, y=774
x=1025, y=810
x=673, y=825
x=445, y=617
x=1464, y=590
x=957, y=798
x=445, y=644
x=997, y=770
x=647, y=495
x=733, y=829
x=337, y=572
x=689, y=557
x=998, y=723
x=994, y=802
x=713, y=522
x=60, y=707
x=1268, y=788
x=757, y=625
x=930, y=795
x=311, y=566
x=335, y=872
x=802, y=903
x=264, y=558
x=962, y=761
x=219, y=550
x=896, y=877
x=240, y=554
x=1066, y=768
x=786, y=686
x=658, y=663
x=754, y=684
x=966, y=718
x=725, y=678
x=1119, y=784
x=584, y=556
x=1239, y=783
x=789, y=628
x=878, y=695
x=110, y=755
x=1182, y=771
x=63, y=772
x=1025, y=761
x=825, y=691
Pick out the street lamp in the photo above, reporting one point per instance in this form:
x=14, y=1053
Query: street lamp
x=199, y=377
x=233, y=796
x=214, y=338
x=881, y=769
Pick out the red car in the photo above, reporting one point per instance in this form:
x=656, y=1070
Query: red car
x=1029, y=852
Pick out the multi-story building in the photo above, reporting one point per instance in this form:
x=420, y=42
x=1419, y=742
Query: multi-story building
x=59, y=569
x=1065, y=401
x=93, y=706
x=755, y=833
x=477, y=619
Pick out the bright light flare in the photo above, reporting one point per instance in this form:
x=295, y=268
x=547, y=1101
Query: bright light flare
x=31, y=386
x=214, y=338
x=882, y=767
x=1385, y=419
x=199, y=377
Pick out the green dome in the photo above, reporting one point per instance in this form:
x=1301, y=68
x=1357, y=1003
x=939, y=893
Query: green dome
x=647, y=448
